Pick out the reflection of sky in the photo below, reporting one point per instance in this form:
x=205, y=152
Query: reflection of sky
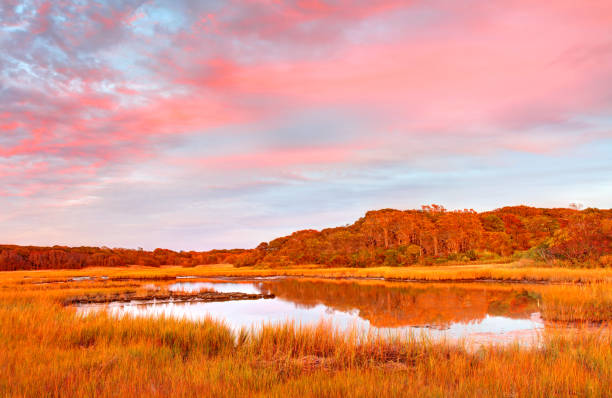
x=255, y=313
x=248, y=288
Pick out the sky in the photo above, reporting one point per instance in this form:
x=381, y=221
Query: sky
x=195, y=125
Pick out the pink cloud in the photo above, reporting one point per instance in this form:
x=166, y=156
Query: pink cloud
x=41, y=23
x=489, y=73
x=451, y=70
x=495, y=69
x=277, y=158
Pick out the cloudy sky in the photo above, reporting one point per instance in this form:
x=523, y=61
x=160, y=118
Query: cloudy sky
x=217, y=124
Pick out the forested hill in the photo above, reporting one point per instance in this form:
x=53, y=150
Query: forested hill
x=434, y=235
x=431, y=235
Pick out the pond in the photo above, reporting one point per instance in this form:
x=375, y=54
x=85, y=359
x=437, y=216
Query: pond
x=477, y=312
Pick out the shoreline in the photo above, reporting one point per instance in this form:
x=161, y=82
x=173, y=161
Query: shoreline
x=487, y=273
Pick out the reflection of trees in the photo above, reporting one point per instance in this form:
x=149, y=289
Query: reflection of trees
x=407, y=305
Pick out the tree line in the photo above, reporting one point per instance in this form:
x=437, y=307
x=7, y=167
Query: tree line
x=430, y=235
x=433, y=235
x=13, y=257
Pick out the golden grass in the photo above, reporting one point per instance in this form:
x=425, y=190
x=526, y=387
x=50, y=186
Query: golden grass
x=46, y=349
x=588, y=304
x=514, y=272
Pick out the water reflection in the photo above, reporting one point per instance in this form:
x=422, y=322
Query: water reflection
x=486, y=312
x=407, y=304
x=193, y=287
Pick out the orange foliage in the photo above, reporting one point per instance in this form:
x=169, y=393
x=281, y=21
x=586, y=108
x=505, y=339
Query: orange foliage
x=383, y=237
x=14, y=257
x=435, y=235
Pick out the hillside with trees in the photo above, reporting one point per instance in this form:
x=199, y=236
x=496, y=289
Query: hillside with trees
x=433, y=235
x=430, y=235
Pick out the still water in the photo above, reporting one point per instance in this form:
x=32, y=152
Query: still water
x=478, y=312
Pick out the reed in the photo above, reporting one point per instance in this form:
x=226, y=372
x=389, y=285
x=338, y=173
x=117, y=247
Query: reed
x=47, y=349
x=514, y=272
x=590, y=304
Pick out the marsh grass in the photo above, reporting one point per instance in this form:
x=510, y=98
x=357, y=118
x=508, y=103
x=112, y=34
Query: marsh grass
x=513, y=272
x=589, y=304
x=47, y=349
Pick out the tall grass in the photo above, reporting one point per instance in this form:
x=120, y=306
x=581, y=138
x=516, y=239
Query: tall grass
x=48, y=350
x=514, y=272
x=591, y=304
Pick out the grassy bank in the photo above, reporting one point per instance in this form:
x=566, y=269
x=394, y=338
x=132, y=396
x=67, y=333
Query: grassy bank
x=514, y=272
x=589, y=302
x=47, y=350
